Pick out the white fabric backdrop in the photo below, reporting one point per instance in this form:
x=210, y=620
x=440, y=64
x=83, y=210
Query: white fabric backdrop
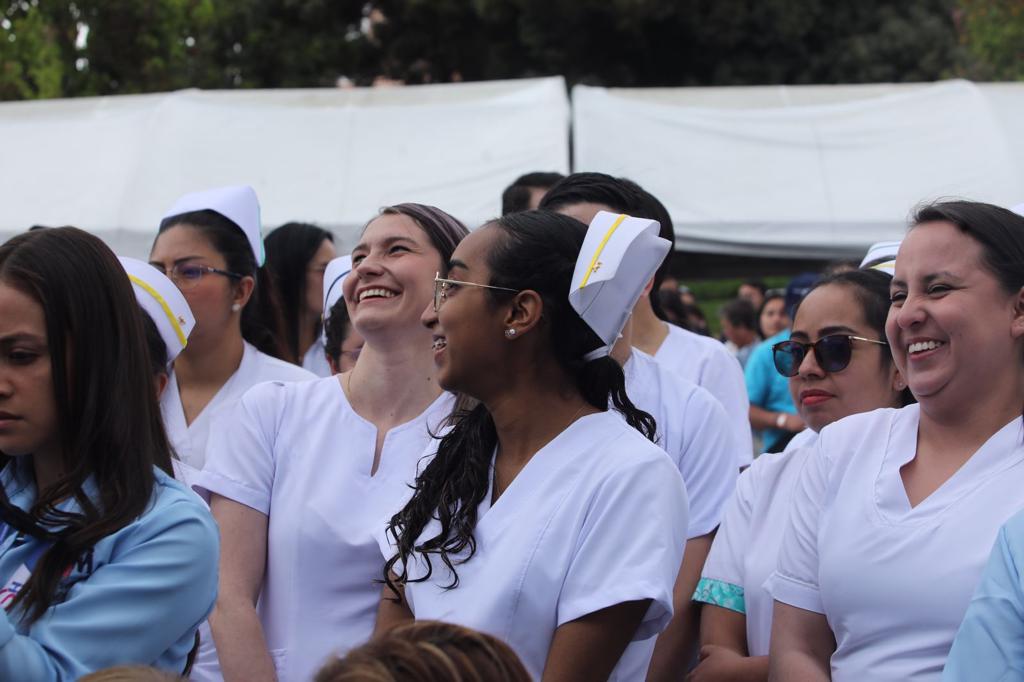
x=113, y=165
x=815, y=171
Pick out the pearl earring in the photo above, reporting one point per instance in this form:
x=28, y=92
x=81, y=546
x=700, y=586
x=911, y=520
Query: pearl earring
x=510, y=333
x=235, y=307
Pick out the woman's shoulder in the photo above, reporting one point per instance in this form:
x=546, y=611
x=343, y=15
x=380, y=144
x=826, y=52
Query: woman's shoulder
x=265, y=367
x=173, y=504
x=613, y=447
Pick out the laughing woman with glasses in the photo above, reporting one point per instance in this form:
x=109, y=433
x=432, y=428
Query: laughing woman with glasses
x=209, y=244
x=895, y=512
x=838, y=364
x=304, y=475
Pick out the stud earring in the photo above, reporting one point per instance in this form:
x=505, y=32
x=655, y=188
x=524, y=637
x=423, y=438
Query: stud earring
x=235, y=307
x=510, y=333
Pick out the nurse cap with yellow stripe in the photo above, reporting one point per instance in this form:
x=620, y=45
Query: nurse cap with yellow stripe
x=237, y=203
x=162, y=301
x=334, y=278
x=619, y=257
x=881, y=256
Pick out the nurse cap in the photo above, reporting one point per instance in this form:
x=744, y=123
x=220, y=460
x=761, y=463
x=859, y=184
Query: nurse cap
x=619, y=257
x=334, y=278
x=162, y=301
x=237, y=203
x=881, y=256
x=1018, y=209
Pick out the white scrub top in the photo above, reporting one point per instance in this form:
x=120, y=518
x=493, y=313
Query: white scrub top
x=189, y=440
x=802, y=439
x=300, y=454
x=707, y=363
x=315, y=359
x=893, y=581
x=596, y=518
x=694, y=430
x=746, y=547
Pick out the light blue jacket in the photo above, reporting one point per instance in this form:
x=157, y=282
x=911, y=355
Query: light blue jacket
x=137, y=598
x=990, y=642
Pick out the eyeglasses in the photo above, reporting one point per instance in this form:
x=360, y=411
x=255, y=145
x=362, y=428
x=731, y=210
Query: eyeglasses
x=832, y=352
x=187, y=276
x=443, y=286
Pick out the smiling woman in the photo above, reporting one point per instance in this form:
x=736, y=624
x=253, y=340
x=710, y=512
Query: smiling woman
x=305, y=476
x=98, y=543
x=895, y=513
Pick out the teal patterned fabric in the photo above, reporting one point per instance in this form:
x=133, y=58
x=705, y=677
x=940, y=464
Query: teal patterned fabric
x=719, y=593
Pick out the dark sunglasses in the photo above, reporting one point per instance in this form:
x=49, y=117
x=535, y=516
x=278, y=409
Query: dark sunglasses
x=832, y=352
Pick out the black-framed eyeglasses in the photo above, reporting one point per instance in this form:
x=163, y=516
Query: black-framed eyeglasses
x=443, y=286
x=833, y=353
x=187, y=275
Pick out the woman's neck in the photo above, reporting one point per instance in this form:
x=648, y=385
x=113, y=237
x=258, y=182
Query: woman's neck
x=648, y=331
x=307, y=333
x=393, y=385
x=535, y=407
x=958, y=428
x=47, y=468
x=210, y=364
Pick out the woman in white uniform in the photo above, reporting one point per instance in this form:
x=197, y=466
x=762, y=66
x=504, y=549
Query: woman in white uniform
x=105, y=559
x=895, y=514
x=545, y=518
x=838, y=364
x=297, y=257
x=306, y=475
x=209, y=244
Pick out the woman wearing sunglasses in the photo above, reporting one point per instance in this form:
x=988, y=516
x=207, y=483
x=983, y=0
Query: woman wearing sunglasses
x=304, y=476
x=838, y=364
x=895, y=513
x=545, y=518
x=209, y=244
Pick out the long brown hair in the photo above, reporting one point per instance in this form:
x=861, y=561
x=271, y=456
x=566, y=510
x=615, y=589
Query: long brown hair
x=110, y=428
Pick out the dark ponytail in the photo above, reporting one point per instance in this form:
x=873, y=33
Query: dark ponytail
x=261, y=314
x=538, y=253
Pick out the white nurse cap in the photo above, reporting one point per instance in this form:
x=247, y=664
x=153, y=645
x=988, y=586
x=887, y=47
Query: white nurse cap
x=619, y=256
x=334, y=278
x=237, y=203
x=163, y=302
x=881, y=256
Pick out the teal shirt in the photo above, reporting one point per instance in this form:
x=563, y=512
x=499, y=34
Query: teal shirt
x=136, y=598
x=990, y=642
x=766, y=388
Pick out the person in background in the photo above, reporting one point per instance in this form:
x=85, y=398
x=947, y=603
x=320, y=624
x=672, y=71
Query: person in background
x=754, y=291
x=105, y=559
x=695, y=320
x=895, y=515
x=672, y=307
x=297, y=255
x=341, y=342
x=837, y=364
x=209, y=245
x=772, y=317
x=699, y=359
x=739, y=326
x=527, y=191
x=428, y=651
x=771, y=408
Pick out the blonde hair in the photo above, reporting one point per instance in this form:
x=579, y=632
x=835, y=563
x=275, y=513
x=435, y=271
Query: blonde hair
x=428, y=651
x=131, y=673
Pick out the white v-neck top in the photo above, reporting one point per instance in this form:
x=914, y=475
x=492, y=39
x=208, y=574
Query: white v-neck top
x=893, y=581
x=695, y=432
x=746, y=547
x=596, y=518
x=300, y=454
x=707, y=363
x=189, y=440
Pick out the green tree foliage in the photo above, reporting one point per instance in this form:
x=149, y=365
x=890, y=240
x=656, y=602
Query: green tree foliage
x=62, y=48
x=992, y=39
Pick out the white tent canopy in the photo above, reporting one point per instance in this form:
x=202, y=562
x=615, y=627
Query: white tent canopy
x=811, y=171
x=113, y=165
